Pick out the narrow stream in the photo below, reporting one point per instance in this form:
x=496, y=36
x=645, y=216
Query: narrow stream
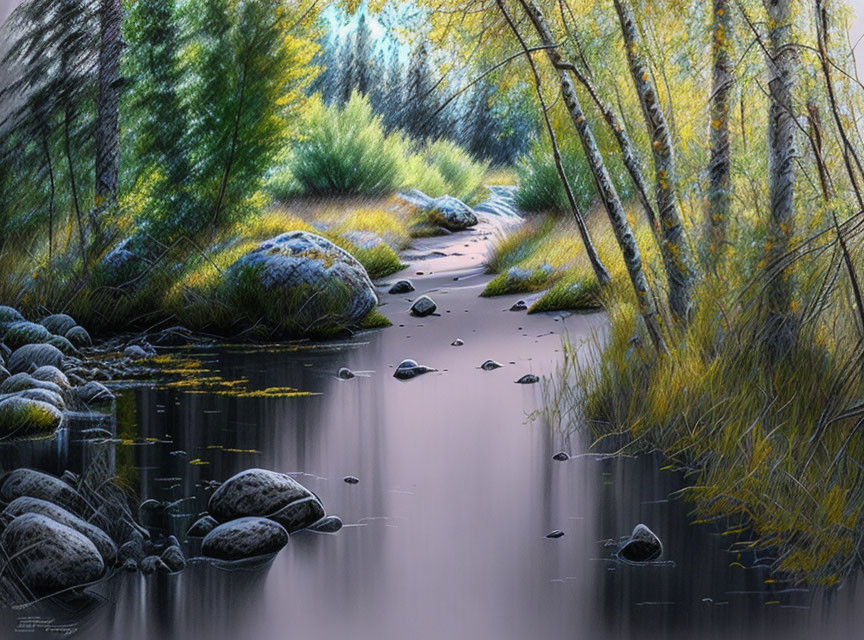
x=445, y=531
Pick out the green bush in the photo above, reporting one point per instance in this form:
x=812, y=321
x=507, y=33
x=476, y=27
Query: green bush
x=347, y=152
x=461, y=174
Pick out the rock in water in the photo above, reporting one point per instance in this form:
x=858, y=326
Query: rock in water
x=452, y=214
x=304, y=282
x=59, y=323
x=458, y=342
x=173, y=558
x=409, y=369
x=555, y=534
x=401, y=287
x=244, y=538
x=152, y=564
x=423, y=306
x=519, y=305
x=529, y=378
x=491, y=365
x=20, y=506
x=351, y=480
x=135, y=352
x=20, y=416
x=35, y=484
x=330, y=524
x=48, y=556
x=345, y=373
x=561, y=456
x=642, y=546
x=201, y=527
x=266, y=494
x=43, y=395
x=38, y=355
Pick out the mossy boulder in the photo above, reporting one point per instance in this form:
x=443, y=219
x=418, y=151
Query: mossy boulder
x=79, y=337
x=22, y=416
x=25, y=381
x=452, y=214
x=20, y=333
x=43, y=395
x=35, y=355
x=302, y=283
x=51, y=374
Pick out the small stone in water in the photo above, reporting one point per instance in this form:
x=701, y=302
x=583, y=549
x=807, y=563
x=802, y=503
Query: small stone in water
x=330, y=524
x=345, y=373
x=642, y=546
x=520, y=305
x=409, y=369
x=351, y=479
x=528, y=379
x=561, y=456
x=458, y=342
x=555, y=534
x=490, y=365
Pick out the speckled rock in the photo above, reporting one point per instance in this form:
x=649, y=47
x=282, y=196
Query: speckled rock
x=423, y=306
x=244, y=538
x=401, y=287
x=63, y=344
x=330, y=524
x=201, y=527
x=50, y=557
x=303, y=281
x=364, y=239
x=266, y=494
x=20, y=506
x=153, y=564
x=79, y=337
x=173, y=558
x=36, y=484
x=409, y=369
x=38, y=355
x=51, y=374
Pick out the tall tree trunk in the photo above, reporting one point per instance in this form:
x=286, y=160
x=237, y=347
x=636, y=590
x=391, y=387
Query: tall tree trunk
x=67, y=144
x=679, y=267
x=719, y=167
x=782, y=326
x=600, y=271
x=51, y=198
x=605, y=188
x=108, y=105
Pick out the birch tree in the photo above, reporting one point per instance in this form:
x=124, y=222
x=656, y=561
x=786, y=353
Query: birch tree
x=605, y=189
x=679, y=268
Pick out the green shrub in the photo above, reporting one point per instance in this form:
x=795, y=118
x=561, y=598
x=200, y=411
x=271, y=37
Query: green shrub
x=347, y=152
x=462, y=175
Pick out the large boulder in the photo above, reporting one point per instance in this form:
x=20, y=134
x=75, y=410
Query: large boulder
x=93, y=392
x=25, y=358
x=452, y=214
x=105, y=545
x=51, y=374
x=42, y=395
x=36, y=484
x=20, y=333
x=302, y=282
x=58, y=323
x=22, y=416
x=244, y=538
x=63, y=344
x=79, y=337
x=266, y=494
x=49, y=557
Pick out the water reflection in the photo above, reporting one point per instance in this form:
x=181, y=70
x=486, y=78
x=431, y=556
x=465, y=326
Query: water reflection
x=445, y=533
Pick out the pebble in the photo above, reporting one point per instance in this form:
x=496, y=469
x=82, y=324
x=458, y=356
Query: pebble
x=555, y=534
x=351, y=479
x=561, y=456
x=529, y=378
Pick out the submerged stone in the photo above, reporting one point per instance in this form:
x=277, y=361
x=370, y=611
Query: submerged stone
x=408, y=369
x=245, y=538
x=557, y=533
x=49, y=557
x=351, y=480
x=642, y=546
x=345, y=373
x=528, y=378
x=491, y=365
x=458, y=342
x=561, y=456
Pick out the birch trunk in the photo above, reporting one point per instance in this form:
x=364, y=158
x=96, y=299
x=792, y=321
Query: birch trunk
x=719, y=167
x=679, y=269
x=108, y=104
x=606, y=190
x=782, y=328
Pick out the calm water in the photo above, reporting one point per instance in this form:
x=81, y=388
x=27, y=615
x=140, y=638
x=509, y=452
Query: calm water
x=445, y=533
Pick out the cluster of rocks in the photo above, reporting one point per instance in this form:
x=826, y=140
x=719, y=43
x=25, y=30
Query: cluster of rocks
x=42, y=372
x=252, y=513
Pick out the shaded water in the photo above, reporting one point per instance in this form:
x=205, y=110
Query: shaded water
x=445, y=532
